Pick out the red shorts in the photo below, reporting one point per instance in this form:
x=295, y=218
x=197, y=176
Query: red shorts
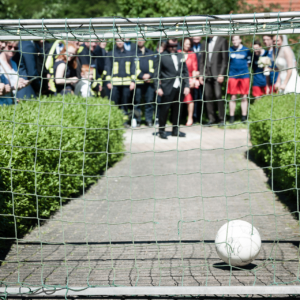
x=258, y=91
x=238, y=86
x=272, y=89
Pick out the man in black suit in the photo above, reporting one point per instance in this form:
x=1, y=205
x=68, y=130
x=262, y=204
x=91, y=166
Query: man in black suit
x=213, y=69
x=171, y=72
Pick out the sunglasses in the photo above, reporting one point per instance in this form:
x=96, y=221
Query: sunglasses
x=10, y=47
x=173, y=45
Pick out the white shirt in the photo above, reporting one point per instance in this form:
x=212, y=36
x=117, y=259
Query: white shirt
x=10, y=74
x=176, y=84
x=211, y=46
x=59, y=48
x=83, y=88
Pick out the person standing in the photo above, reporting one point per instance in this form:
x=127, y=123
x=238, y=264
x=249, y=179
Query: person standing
x=160, y=48
x=65, y=70
x=120, y=70
x=192, y=65
x=213, y=69
x=239, y=76
x=172, y=84
x=259, y=84
x=144, y=82
x=197, y=92
x=272, y=78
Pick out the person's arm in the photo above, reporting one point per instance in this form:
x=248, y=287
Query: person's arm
x=202, y=63
x=157, y=75
x=225, y=58
x=60, y=73
x=132, y=74
x=108, y=69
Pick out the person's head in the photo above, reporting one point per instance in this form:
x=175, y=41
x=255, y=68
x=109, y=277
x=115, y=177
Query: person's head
x=257, y=47
x=120, y=44
x=2, y=45
x=187, y=44
x=76, y=44
x=267, y=40
x=236, y=41
x=277, y=40
x=68, y=54
x=141, y=42
x=161, y=46
x=103, y=44
x=9, y=48
x=91, y=45
x=87, y=72
x=196, y=40
x=172, y=45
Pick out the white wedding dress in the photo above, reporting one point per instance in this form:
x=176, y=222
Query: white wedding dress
x=285, y=61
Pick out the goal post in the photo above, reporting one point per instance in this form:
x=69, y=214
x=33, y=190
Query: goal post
x=104, y=256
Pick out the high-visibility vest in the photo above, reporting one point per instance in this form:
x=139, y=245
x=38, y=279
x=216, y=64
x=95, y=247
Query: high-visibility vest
x=50, y=63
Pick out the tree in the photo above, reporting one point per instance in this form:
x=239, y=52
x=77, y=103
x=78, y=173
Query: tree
x=166, y=8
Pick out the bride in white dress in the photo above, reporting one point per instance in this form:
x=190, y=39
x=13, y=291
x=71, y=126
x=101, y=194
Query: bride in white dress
x=288, y=80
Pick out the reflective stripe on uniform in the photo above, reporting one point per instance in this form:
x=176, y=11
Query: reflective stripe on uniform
x=127, y=67
x=116, y=68
x=151, y=64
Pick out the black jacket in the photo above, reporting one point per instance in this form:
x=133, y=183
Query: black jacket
x=119, y=67
x=166, y=73
x=219, y=60
x=144, y=64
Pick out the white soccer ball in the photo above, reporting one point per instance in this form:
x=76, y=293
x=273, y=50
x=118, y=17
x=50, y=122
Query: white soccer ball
x=238, y=243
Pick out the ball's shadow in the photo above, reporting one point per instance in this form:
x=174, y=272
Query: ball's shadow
x=225, y=267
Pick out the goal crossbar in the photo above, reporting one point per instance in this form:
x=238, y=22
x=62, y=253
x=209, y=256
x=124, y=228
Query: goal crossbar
x=151, y=290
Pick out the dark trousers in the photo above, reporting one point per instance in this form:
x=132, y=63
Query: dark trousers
x=146, y=90
x=213, y=91
x=173, y=99
x=120, y=95
x=157, y=107
x=198, y=101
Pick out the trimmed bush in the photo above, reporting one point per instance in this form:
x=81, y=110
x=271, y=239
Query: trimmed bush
x=275, y=135
x=51, y=150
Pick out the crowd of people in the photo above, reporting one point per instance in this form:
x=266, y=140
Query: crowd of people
x=186, y=77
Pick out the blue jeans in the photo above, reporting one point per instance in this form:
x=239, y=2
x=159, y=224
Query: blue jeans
x=120, y=95
x=6, y=101
x=146, y=90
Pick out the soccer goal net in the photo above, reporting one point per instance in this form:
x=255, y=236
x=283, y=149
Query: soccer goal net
x=126, y=145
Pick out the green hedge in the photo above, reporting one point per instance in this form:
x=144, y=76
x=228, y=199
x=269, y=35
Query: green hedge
x=51, y=150
x=275, y=135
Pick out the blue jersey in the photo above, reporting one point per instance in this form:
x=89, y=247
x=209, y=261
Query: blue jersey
x=273, y=74
x=259, y=79
x=239, y=60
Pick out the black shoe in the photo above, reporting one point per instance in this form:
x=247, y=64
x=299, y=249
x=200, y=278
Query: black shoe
x=231, y=120
x=138, y=124
x=221, y=124
x=162, y=135
x=244, y=119
x=149, y=124
x=179, y=134
x=209, y=124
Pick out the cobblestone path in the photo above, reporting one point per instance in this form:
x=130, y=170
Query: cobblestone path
x=153, y=217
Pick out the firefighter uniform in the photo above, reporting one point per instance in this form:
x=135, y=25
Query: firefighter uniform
x=145, y=65
x=120, y=72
